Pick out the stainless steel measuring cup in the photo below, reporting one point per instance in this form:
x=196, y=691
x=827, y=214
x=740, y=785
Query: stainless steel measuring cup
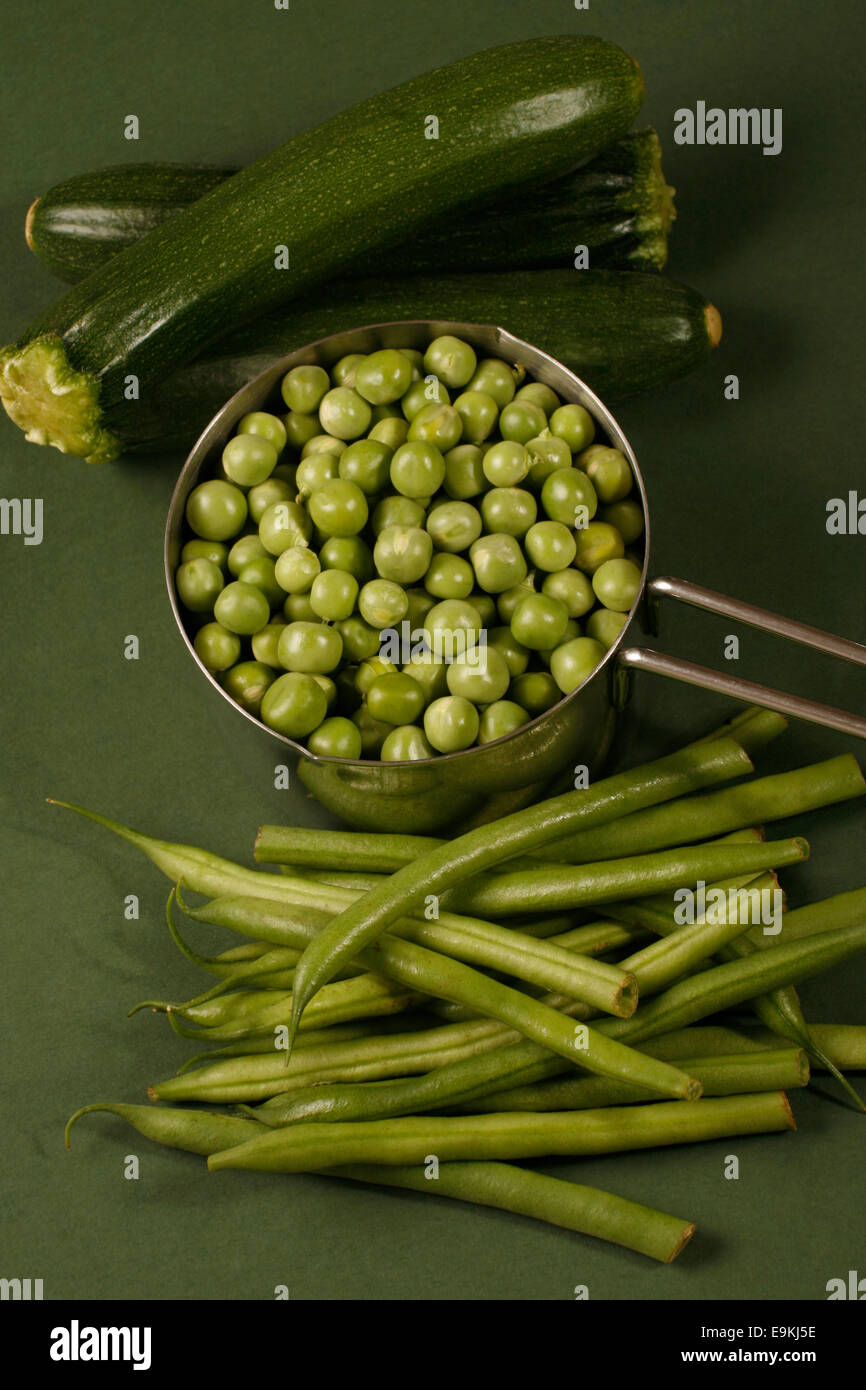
x=441, y=791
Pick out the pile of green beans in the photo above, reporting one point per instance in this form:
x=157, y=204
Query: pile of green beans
x=565, y=1036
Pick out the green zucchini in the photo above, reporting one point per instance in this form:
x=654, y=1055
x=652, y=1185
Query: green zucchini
x=369, y=176
x=618, y=206
x=623, y=332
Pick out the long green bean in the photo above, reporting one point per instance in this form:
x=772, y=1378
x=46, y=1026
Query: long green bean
x=739, y=1074
x=569, y=1205
x=412, y=1139
x=480, y=849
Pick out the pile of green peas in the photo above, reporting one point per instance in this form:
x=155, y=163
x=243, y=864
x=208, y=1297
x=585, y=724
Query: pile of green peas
x=430, y=494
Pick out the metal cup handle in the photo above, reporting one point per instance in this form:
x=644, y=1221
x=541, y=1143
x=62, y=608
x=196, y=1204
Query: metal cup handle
x=690, y=673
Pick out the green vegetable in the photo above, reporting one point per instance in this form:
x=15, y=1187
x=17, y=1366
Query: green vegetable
x=163, y=299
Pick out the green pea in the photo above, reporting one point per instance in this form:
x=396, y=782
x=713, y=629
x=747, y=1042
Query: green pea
x=451, y=360
x=264, y=643
x=386, y=412
x=539, y=622
x=268, y=426
x=294, y=705
x=609, y=470
x=405, y=744
x=572, y=630
x=508, y=600
x=396, y=510
x=568, y=496
x=261, y=573
x=314, y=471
x=540, y=395
x=510, y=511
x=333, y=595
x=422, y=394
x=550, y=545
x=478, y=413
x=420, y=603
x=536, y=692
x=464, y=475
x=451, y=724
x=360, y=640
x=513, y=653
x=216, y=647
x=437, y=424
x=575, y=425
x=336, y=738
x=242, y=608
x=343, y=372
x=198, y=549
x=366, y=463
x=417, y=469
x=573, y=662
x=392, y=432
x=617, y=584
x=454, y=526
x=373, y=732
x=243, y=551
x=429, y=673
x=449, y=576
x=283, y=525
x=496, y=379
x=338, y=508
x=300, y=429
x=547, y=454
x=383, y=377
x=627, y=517
x=597, y=543
x=216, y=510
x=303, y=388
x=506, y=463
x=485, y=605
x=500, y=719
x=267, y=494
x=370, y=671
x=498, y=563
x=296, y=568
x=572, y=588
x=349, y=553
x=298, y=609
x=605, y=626
x=382, y=603
x=249, y=459
x=247, y=682
x=451, y=628
x=522, y=421
x=395, y=698
x=402, y=553
x=480, y=675
x=323, y=444
x=310, y=648
x=198, y=584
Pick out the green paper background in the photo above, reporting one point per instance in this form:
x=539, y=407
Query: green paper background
x=738, y=493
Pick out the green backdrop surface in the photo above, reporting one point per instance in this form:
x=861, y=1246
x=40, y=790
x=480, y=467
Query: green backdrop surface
x=738, y=492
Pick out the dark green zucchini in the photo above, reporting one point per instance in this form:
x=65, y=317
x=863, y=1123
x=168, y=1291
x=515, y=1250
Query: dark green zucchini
x=368, y=177
x=618, y=206
x=623, y=332
x=79, y=224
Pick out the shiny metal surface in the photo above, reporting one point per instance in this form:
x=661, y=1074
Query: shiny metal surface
x=442, y=791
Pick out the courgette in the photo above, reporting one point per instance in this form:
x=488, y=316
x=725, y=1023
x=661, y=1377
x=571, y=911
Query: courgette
x=369, y=176
x=618, y=206
x=623, y=332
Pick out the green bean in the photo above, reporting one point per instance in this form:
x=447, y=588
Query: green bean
x=740, y=1074
x=715, y=812
x=567, y=1204
x=480, y=849
x=570, y=1205
x=594, y=938
x=412, y=1139
x=753, y=728
x=312, y=1037
x=556, y=885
